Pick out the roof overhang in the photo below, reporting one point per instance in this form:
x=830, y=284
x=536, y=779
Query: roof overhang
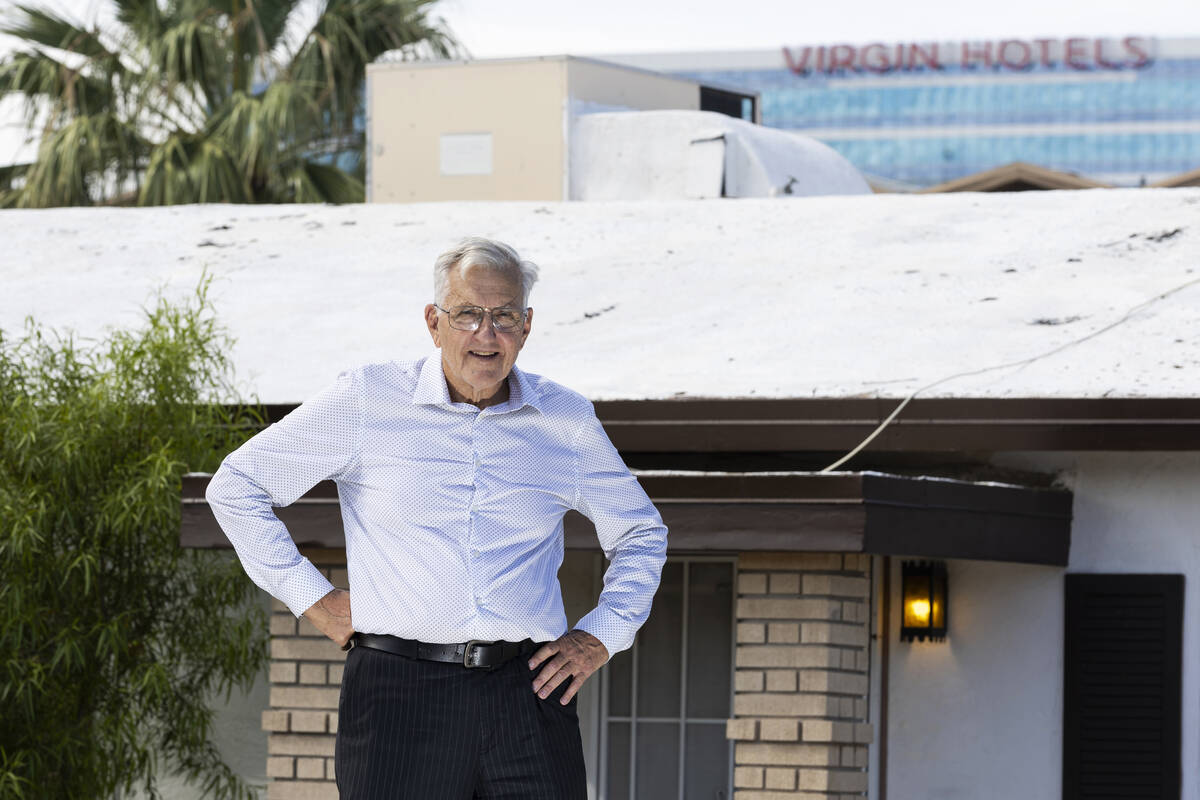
x=926, y=425
x=933, y=425
x=856, y=512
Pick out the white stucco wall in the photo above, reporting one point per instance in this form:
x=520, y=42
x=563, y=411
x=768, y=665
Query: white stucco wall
x=979, y=717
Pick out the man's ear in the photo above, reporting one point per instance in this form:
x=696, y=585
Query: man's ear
x=431, y=322
x=528, y=325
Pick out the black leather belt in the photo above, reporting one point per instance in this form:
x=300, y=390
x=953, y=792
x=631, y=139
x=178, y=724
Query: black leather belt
x=474, y=654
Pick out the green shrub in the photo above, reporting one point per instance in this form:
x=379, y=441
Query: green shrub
x=113, y=637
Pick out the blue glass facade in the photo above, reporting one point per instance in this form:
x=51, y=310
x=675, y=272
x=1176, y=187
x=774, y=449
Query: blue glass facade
x=1124, y=123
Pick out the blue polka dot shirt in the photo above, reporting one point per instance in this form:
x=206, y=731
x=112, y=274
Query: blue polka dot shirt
x=452, y=514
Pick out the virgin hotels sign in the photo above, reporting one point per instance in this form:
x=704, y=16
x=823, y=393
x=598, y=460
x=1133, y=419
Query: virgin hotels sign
x=1132, y=52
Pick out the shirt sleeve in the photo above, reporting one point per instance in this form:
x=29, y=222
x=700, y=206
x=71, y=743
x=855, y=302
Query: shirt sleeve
x=630, y=531
x=317, y=440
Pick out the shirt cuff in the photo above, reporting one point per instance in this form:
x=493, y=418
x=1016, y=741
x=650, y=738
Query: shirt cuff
x=302, y=586
x=614, y=631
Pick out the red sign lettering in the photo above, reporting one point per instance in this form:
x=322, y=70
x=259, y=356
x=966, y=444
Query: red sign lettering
x=875, y=58
x=1076, y=50
x=1134, y=46
x=1132, y=52
x=1044, y=51
x=841, y=56
x=972, y=53
x=928, y=54
x=1015, y=54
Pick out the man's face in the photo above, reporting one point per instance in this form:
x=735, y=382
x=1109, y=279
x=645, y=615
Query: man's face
x=477, y=362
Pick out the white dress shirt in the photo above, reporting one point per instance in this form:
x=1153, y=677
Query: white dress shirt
x=452, y=514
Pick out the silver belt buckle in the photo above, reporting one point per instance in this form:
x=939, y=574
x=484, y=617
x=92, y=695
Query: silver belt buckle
x=467, y=653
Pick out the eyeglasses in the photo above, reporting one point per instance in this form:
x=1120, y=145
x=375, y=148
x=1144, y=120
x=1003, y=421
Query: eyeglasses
x=505, y=319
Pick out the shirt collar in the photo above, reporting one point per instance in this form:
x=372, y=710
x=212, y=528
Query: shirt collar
x=432, y=389
x=521, y=392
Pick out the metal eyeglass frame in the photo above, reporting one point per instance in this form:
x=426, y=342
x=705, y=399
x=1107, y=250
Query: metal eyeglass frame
x=487, y=312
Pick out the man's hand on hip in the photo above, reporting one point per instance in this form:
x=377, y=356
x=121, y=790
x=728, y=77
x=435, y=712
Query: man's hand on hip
x=575, y=654
x=331, y=616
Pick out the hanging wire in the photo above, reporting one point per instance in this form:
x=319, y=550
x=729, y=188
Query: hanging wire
x=1023, y=362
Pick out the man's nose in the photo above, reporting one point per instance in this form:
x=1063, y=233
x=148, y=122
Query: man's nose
x=485, y=331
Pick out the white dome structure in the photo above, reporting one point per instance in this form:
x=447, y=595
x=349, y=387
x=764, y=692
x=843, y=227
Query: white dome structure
x=681, y=155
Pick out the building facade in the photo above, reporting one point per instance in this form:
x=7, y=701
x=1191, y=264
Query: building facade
x=1124, y=110
x=772, y=665
x=500, y=129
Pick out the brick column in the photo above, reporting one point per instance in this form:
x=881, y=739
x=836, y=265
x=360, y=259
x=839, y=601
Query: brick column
x=306, y=677
x=800, y=703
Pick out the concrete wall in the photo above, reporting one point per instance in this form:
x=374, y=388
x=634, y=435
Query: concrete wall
x=979, y=717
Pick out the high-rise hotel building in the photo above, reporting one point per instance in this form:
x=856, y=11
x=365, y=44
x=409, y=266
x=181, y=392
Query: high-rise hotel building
x=1123, y=110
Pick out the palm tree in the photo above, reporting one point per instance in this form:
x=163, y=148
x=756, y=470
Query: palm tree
x=194, y=102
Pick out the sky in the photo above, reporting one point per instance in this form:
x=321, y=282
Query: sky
x=491, y=28
x=535, y=27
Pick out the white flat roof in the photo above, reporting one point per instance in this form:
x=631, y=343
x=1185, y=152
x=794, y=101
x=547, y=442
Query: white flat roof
x=803, y=297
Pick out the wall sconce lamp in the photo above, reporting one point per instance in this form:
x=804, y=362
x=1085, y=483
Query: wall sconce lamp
x=923, y=584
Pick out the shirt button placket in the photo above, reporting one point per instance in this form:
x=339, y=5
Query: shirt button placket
x=471, y=511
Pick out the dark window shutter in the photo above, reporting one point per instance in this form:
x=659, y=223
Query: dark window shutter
x=1122, y=684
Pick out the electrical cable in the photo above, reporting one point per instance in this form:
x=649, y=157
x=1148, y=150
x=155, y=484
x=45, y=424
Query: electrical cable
x=1128, y=314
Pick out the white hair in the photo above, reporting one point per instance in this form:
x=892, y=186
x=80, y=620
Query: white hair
x=477, y=252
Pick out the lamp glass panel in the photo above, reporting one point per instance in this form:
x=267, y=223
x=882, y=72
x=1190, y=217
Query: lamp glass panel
x=917, y=600
x=938, y=615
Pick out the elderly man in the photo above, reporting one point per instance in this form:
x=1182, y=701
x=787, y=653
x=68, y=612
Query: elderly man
x=454, y=472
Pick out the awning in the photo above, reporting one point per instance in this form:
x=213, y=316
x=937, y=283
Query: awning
x=853, y=512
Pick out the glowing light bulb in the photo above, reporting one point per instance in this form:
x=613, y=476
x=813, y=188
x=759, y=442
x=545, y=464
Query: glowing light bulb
x=920, y=610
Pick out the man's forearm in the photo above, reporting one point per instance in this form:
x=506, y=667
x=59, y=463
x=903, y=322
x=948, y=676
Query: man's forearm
x=630, y=582
x=262, y=542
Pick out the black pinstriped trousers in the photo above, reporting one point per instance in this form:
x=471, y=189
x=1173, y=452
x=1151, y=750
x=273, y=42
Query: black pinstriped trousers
x=428, y=730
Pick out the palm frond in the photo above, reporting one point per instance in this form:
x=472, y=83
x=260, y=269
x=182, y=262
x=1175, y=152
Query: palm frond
x=311, y=182
x=215, y=175
x=255, y=29
x=166, y=107
x=38, y=75
x=81, y=161
x=349, y=34
x=47, y=28
x=143, y=18
x=269, y=127
x=193, y=169
x=190, y=52
x=270, y=21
